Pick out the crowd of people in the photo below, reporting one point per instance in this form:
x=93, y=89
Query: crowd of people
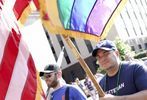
x=121, y=81
x=87, y=86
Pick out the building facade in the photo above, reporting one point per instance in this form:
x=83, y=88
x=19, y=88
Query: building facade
x=131, y=25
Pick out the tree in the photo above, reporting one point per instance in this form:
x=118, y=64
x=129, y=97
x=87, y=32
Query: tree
x=124, y=49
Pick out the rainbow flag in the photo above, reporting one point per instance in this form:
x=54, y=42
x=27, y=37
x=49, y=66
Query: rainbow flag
x=88, y=19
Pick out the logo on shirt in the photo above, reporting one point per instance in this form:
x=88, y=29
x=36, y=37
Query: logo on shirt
x=116, y=89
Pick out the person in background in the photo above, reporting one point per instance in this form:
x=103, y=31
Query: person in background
x=52, y=75
x=78, y=82
x=91, y=90
x=124, y=80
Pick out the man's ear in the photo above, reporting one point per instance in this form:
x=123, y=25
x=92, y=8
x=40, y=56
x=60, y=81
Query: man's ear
x=59, y=75
x=117, y=53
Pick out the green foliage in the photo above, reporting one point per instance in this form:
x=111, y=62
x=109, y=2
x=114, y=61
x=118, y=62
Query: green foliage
x=99, y=70
x=123, y=48
x=141, y=55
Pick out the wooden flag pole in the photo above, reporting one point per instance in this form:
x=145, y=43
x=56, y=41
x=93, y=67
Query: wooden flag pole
x=84, y=65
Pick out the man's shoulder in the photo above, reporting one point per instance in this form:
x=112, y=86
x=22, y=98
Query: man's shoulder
x=72, y=87
x=133, y=64
x=135, y=67
x=75, y=90
x=102, y=81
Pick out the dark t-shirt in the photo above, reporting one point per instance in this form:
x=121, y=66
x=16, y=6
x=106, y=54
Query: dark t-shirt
x=131, y=79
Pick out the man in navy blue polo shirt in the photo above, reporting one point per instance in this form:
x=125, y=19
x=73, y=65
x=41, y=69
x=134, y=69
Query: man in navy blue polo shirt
x=123, y=80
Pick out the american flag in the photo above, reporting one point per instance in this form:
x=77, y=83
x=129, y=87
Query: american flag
x=19, y=79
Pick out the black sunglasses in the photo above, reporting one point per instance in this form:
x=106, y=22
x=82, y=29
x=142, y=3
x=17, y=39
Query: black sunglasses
x=46, y=76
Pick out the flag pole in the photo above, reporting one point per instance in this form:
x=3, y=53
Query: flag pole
x=84, y=65
x=60, y=58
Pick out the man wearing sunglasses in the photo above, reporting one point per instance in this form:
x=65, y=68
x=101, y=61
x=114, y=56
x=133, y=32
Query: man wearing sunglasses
x=52, y=75
x=124, y=80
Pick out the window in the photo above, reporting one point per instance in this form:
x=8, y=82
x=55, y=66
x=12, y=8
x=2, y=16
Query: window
x=65, y=52
x=61, y=43
x=74, y=42
x=89, y=46
x=132, y=48
x=145, y=44
x=51, y=45
x=123, y=20
x=66, y=57
x=53, y=50
x=139, y=46
x=67, y=60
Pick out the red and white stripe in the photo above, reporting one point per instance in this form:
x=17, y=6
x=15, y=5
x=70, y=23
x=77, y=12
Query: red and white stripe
x=18, y=76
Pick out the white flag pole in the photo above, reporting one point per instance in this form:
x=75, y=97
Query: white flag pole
x=60, y=58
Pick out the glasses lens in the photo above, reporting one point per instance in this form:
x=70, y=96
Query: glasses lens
x=46, y=76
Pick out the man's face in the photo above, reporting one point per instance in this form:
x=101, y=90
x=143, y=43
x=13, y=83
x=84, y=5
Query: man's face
x=106, y=59
x=51, y=79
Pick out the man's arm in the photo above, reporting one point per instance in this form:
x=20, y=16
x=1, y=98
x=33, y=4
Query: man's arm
x=142, y=95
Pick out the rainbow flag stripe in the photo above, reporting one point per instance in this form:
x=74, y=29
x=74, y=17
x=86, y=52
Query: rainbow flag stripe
x=89, y=19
